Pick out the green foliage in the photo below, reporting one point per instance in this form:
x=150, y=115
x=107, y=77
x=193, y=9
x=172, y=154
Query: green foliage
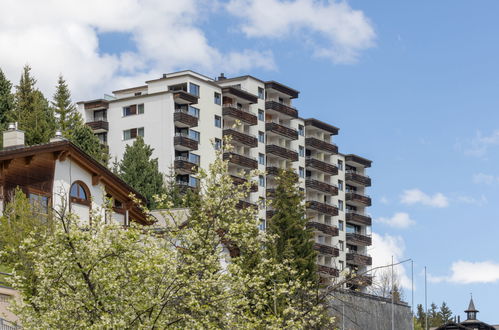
x=445, y=313
x=6, y=101
x=293, y=242
x=436, y=316
x=141, y=172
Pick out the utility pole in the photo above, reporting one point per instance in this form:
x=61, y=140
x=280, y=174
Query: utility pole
x=412, y=294
x=393, y=289
x=425, y=300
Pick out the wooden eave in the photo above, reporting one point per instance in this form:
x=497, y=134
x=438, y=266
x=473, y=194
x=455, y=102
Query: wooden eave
x=359, y=160
x=251, y=98
x=293, y=93
x=322, y=125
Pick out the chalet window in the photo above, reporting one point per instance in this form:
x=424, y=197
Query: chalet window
x=193, y=111
x=340, y=205
x=79, y=193
x=261, y=226
x=340, y=185
x=195, y=135
x=194, y=89
x=100, y=115
x=340, y=225
x=140, y=108
x=341, y=245
x=342, y=265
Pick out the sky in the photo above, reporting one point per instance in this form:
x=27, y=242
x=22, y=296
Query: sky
x=411, y=84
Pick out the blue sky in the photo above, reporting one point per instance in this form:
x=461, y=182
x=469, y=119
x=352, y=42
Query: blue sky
x=411, y=84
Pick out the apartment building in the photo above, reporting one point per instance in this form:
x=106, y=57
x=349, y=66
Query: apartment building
x=184, y=116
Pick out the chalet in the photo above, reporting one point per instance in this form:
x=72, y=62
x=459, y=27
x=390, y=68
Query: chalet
x=471, y=322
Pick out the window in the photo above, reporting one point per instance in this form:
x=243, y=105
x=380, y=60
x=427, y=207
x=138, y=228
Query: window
x=341, y=245
x=193, y=158
x=261, y=137
x=340, y=225
x=261, y=115
x=195, y=135
x=340, y=205
x=133, y=133
x=261, y=226
x=218, y=121
x=217, y=98
x=140, y=108
x=261, y=159
x=218, y=144
x=301, y=171
x=261, y=93
x=194, y=89
x=341, y=264
x=261, y=180
x=340, y=165
x=39, y=203
x=340, y=185
x=353, y=228
x=301, y=151
x=193, y=111
x=79, y=193
x=130, y=110
x=138, y=93
x=100, y=115
x=301, y=130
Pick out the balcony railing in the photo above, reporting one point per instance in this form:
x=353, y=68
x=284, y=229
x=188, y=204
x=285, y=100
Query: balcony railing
x=315, y=143
x=184, y=165
x=187, y=184
x=322, y=227
x=272, y=170
x=99, y=125
x=327, y=270
x=355, y=216
x=353, y=196
x=321, y=166
x=282, y=130
x=358, y=259
x=244, y=204
x=240, y=114
x=321, y=186
x=281, y=108
x=322, y=208
x=281, y=152
x=358, y=178
x=359, y=239
x=184, y=142
x=241, y=160
x=241, y=137
x=183, y=118
x=239, y=181
x=183, y=97
x=98, y=104
x=326, y=249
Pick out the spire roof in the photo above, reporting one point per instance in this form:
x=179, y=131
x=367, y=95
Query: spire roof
x=471, y=307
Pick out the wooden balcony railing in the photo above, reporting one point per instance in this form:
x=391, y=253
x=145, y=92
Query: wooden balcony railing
x=330, y=271
x=97, y=104
x=183, y=165
x=183, y=142
x=315, y=143
x=282, y=130
x=238, y=181
x=352, y=216
x=241, y=137
x=358, y=259
x=322, y=227
x=183, y=118
x=322, y=208
x=321, y=166
x=242, y=115
x=281, y=152
x=359, y=239
x=281, y=108
x=99, y=125
x=358, y=198
x=272, y=170
x=321, y=186
x=358, y=178
x=241, y=160
x=326, y=249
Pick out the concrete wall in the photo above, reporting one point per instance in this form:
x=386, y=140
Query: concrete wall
x=366, y=312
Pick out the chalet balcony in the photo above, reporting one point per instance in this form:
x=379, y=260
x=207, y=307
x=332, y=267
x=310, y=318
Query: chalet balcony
x=357, y=217
x=184, y=142
x=281, y=130
x=357, y=178
x=281, y=108
x=183, y=118
x=244, y=205
x=315, y=143
x=322, y=227
x=322, y=208
x=184, y=165
x=239, y=114
x=99, y=126
x=326, y=249
x=358, y=259
x=281, y=152
x=240, y=160
x=96, y=105
x=240, y=137
x=272, y=170
x=321, y=166
x=326, y=270
x=358, y=198
x=359, y=239
x=239, y=181
x=359, y=280
x=321, y=186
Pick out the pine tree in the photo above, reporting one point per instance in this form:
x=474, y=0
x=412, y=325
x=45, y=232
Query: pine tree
x=433, y=316
x=6, y=101
x=141, y=172
x=445, y=313
x=293, y=241
x=420, y=316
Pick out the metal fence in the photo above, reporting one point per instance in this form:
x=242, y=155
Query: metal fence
x=6, y=325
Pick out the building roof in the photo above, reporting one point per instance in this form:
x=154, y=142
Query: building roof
x=322, y=125
x=282, y=88
x=471, y=307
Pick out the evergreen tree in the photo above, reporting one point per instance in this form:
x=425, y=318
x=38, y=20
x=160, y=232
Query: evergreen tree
x=420, y=316
x=293, y=242
x=433, y=316
x=445, y=313
x=141, y=172
x=6, y=98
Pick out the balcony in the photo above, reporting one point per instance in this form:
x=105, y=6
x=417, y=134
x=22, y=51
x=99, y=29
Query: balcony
x=270, y=192
x=359, y=218
x=239, y=114
x=315, y=123
x=360, y=280
x=244, y=205
x=358, y=198
x=322, y=227
x=321, y=187
x=99, y=126
x=326, y=249
x=359, y=239
x=274, y=85
x=330, y=271
x=184, y=185
x=315, y=143
x=281, y=130
x=358, y=259
x=184, y=143
x=240, y=137
x=281, y=108
x=183, y=97
x=322, y=208
x=269, y=214
x=96, y=105
x=239, y=181
x=358, y=160
x=272, y=170
x=183, y=118
x=357, y=178
x=183, y=165
x=238, y=92
x=281, y=152
x=241, y=160
x=321, y=166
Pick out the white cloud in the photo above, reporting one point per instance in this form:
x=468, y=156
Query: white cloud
x=479, y=145
x=416, y=196
x=398, y=220
x=383, y=248
x=466, y=272
x=472, y=200
x=343, y=32
x=62, y=36
x=481, y=178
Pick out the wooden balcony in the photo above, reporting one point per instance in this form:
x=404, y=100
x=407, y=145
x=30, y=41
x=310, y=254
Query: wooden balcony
x=358, y=218
x=312, y=122
x=321, y=186
x=244, y=205
x=358, y=259
x=240, y=137
x=239, y=114
x=315, y=143
x=239, y=181
x=293, y=93
x=185, y=143
x=358, y=160
x=281, y=130
x=322, y=227
x=321, y=166
x=99, y=125
x=96, y=104
x=182, y=118
x=272, y=170
x=359, y=280
x=358, y=239
x=183, y=97
x=241, y=160
x=235, y=91
x=281, y=108
x=270, y=192
x=329, y=271
x=358, y=198
x=358, y=178
x=322, y=208
x=326, y=249
x=281, y=152
x=183, y=165
x=269, y=214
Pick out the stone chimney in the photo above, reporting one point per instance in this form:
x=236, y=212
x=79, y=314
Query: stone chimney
x=13, y=137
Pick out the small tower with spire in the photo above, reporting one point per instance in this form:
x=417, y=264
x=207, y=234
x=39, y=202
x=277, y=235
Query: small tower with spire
x=471, y=311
